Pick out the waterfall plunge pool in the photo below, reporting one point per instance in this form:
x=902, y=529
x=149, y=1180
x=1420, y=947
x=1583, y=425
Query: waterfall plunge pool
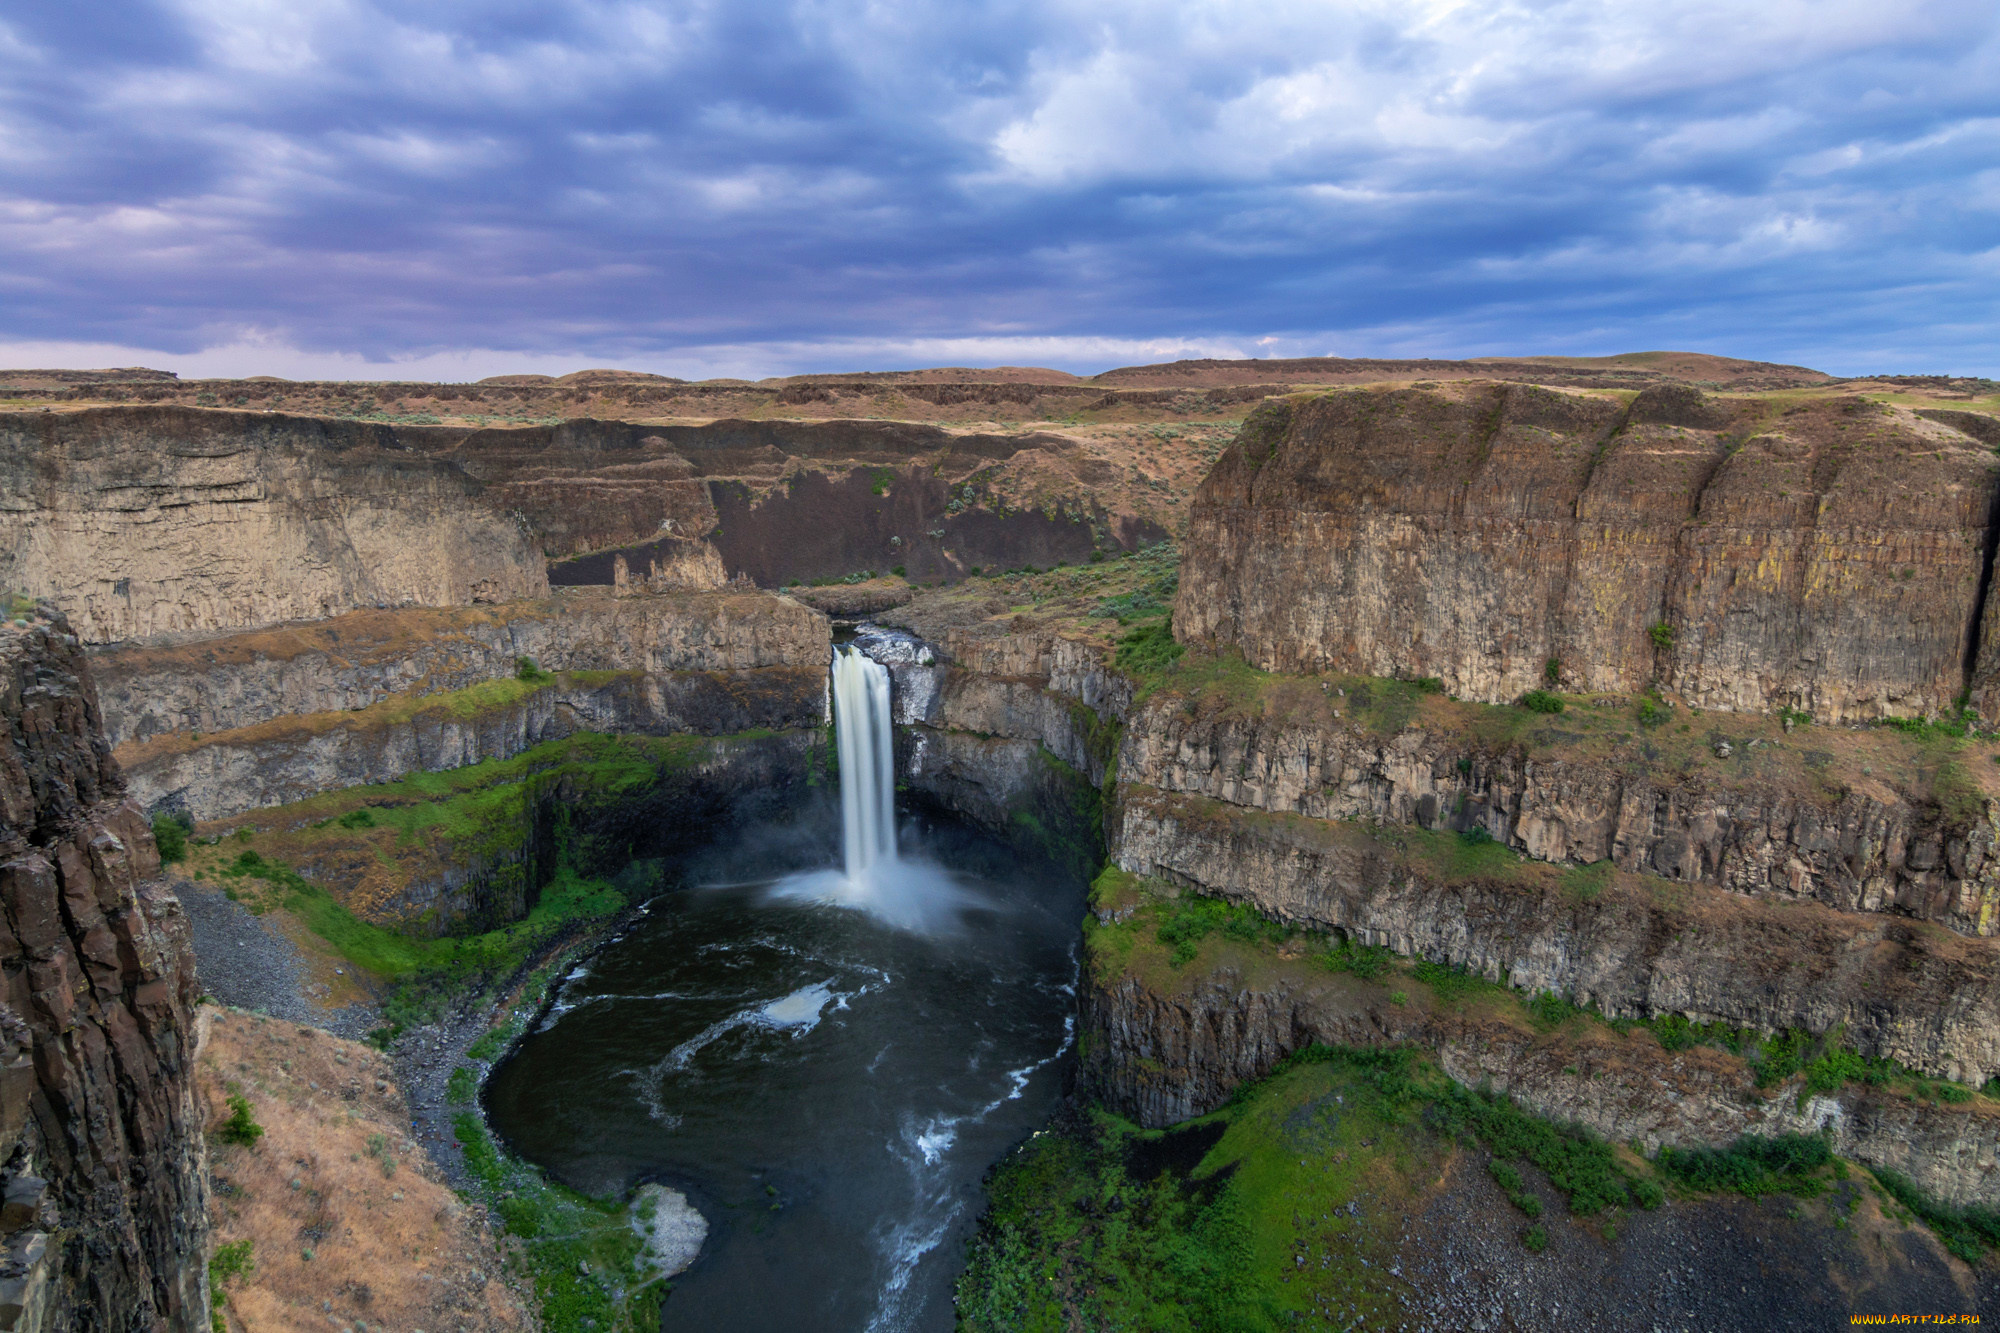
x=825, y=1062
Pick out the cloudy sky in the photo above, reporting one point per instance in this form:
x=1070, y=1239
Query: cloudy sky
x=453, y=188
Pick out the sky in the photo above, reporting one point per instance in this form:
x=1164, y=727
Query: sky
x=447, y=189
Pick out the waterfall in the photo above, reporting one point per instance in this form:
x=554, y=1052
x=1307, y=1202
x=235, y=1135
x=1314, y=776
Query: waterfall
x=914, y=894
x=867, y=762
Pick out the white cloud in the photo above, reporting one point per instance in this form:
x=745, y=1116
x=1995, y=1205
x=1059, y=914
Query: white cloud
x=741, y=183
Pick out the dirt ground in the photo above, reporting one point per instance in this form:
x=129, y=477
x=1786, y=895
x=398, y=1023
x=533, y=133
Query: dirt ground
x=351, y=1225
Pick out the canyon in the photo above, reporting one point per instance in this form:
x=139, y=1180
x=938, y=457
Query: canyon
x=1659, y=692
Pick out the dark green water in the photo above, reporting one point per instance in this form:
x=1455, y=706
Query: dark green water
x=827, y=1089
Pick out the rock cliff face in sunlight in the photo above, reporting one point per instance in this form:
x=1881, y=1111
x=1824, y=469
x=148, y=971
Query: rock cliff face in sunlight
x=149, y=521
x=1828, y=555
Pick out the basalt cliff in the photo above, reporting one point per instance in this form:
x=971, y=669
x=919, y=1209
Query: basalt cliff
x=105, y=1177
x=1828, y=556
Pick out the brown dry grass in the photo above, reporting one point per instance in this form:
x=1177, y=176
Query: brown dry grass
x=335, y=1176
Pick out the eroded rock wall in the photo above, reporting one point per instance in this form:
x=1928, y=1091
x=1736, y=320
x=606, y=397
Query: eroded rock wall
x=1899, y=988
x=359, y=659
x=1162, y=1054
x=144, y=522
x=1828, y=555
x=106, y=1222
x=226, y=773
x=148, y=521
x=1870, y=850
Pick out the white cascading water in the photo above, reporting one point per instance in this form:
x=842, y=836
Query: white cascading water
x=912, y=894
x=867, y=763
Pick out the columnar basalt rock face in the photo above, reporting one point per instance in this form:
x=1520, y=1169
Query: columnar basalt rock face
x=295, y=757
x=1828, y=556
x=1161, y=1055
x=103, y=1148
x=146, y=521
x=1900, y=988
x=1861, y=852
x=352, y=661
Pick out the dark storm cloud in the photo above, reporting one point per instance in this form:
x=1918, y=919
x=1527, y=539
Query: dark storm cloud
x=757, y=187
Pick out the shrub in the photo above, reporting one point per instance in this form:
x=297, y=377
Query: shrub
x=1476, y=836
x=1576, y=1162
x=1194, y=919
x=231, y=1261
x=1429, y=684
x=1537, y=1238
x=1366, y=961
x=1541, y=701
x=1149, y=648
x=1653, y=711
x=170, y=833
x=1550, y=1010
x=239, y=1128
x=525, y=669
x=1448, y=982
x=1552, y=671
x=1752, y=1165
x=1673, y=1032
x=362, y=818
x=1662, y=636
x=898, y=571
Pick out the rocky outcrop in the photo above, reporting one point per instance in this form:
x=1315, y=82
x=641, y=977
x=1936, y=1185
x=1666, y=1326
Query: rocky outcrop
x=1870, y=850
x=367, y=656
x=105, y=1221
x=1164, y=1053
x=294, y=757
x=1829, y=556
x=494, y=876
x=146, y=521
x=1899, y=988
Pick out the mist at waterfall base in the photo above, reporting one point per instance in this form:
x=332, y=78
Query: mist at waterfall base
x=825, y=1060
x=914, y=894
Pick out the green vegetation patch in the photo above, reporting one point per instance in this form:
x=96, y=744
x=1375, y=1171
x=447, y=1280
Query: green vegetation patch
x=1190, y=919
x=240, y=1128
x=581, y=1255
x=170, y=834
x=229, y=1262
x=1968, y=1233
x=1157, y=570
x=1754, y=1165
x=1148, y=650
x=423, y=973
x=1256, y=1217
